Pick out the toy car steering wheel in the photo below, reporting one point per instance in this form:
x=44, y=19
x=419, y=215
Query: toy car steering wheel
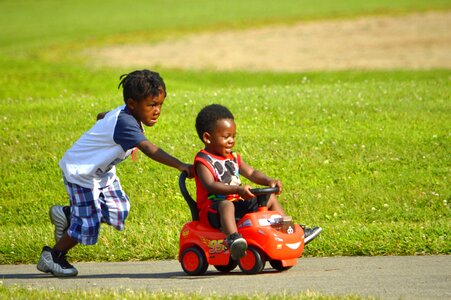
x=263, y=194
x=264, y=191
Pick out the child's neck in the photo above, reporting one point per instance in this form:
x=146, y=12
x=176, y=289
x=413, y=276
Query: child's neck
x=213, y=152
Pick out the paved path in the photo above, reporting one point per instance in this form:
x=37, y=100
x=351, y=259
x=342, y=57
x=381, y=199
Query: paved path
x=385, y=277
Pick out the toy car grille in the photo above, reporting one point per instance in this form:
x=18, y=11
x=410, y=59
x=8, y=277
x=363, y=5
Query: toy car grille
x=285, y=226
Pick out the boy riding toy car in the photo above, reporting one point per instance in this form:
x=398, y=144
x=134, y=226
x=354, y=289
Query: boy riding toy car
x=270, y=237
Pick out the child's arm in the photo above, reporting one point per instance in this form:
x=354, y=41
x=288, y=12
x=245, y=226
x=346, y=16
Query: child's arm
x=215, y=187
x=157, y=154
x=259, y=177
x=101, y=115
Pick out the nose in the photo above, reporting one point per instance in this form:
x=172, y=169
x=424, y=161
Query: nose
x=157, y=110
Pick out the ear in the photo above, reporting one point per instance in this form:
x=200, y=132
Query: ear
x=131, y=104
x=206, y=138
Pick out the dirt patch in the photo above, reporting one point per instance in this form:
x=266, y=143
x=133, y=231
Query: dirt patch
x=415, y=41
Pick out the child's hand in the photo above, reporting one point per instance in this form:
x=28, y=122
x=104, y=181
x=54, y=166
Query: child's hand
x=245, y=193
x=276, y=183
x=101, y=115
x=189, y=169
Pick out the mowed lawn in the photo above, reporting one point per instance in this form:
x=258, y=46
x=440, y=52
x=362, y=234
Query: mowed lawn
x=365, y=155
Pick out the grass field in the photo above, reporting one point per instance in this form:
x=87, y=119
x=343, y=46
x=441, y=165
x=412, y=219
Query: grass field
x=366, y=155
x=129, y=294
x=362, y=154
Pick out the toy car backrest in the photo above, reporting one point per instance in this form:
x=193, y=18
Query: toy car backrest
x=189, y=200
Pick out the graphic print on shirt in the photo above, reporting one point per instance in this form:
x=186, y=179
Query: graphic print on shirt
x=227, y=171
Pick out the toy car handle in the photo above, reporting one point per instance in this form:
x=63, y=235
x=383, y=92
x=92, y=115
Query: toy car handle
x=263, y=191
x=189, y=200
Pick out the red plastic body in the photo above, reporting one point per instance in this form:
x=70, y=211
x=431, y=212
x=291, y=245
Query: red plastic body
x=273, y=244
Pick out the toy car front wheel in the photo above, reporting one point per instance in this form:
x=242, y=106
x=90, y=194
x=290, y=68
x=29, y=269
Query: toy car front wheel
x=253, y=262
x=194, y=261
x=227, y=268
x=277, y=264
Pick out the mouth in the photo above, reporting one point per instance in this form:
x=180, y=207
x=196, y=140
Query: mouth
x=151, y=122
x=293, y=246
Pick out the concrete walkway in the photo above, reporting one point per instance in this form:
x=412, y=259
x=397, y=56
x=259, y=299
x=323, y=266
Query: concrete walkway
x=384, y=277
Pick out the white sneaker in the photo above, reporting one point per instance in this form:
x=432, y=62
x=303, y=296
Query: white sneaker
x=55, y=262
x=60, y=219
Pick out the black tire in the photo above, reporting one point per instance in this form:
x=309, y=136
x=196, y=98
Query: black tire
x=277, y=264
x=193, y=261
x=227, y=268
x=253, y=262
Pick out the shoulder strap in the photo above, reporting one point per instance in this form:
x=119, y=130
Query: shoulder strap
x=205, y=157
x=235, y=156
x=206, y=160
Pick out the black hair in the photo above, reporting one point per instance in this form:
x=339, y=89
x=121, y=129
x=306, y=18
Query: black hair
x=140, y=84
x=209, y=115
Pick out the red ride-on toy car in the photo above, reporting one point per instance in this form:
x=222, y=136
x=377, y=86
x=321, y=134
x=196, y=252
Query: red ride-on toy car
x=270, y=237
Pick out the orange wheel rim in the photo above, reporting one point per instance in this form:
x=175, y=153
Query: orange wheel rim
x=191, y=261
x=248, y=261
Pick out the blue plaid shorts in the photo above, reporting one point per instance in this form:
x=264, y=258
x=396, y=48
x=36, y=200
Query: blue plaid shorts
x=90, y=208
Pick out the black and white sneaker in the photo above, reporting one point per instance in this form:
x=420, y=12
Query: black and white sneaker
x=237, y=245
x=54, y=261
x=311, y=233
x=60, y=217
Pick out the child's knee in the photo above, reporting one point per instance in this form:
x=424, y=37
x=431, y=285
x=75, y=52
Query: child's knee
x=272, y=200
x=83, y=233
x=225, y=206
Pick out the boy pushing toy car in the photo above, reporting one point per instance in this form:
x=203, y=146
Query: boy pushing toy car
x=89, y=170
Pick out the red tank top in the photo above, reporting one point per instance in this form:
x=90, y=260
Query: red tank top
x=223, y=169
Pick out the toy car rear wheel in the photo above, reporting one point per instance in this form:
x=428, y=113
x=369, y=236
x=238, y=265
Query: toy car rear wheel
x=193, y=261
x=277, y=264
x=253, y=262
x=227, y=268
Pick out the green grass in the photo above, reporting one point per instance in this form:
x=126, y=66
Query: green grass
x=16, y=293
x=51, y=22
x=363, y=154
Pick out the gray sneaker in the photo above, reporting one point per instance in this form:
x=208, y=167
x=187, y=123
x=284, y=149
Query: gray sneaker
x=237, y=245
x=311, y=233
x=54, y=261
x=59, y=216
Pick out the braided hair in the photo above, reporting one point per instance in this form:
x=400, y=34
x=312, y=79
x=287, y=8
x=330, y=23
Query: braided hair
x=140, y=84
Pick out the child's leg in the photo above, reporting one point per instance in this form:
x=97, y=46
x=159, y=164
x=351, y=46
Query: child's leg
x=114, y=205
x=226, y=211
x=234, y=240
x=65, y=243
x=273, y=204
x=85, y=214
x=83, y=228
x=85, y=217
